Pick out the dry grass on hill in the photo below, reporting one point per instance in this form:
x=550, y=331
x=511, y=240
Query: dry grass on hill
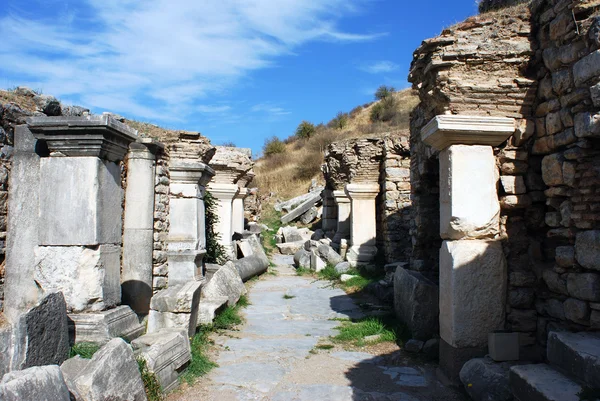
x=290, y=173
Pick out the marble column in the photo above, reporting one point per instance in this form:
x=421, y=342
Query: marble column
x=224, y=194
x=363, y=223
x=238, y=218
x=186, y=242
x=343, y=218
x=472, y=263
x=138, y=225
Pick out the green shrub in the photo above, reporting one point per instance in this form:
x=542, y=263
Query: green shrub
x=385, y=110
x=340, y=121
x=354, y=112
x=215, y=252
x=384, y=92
x=200, y=363
x=273, y=146
x=305, y=130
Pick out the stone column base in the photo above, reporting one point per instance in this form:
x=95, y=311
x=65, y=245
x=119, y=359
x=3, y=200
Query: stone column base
x=176, y=307
x=452, y=360
x=361, y=255
x=185, y=265
x=101, y=327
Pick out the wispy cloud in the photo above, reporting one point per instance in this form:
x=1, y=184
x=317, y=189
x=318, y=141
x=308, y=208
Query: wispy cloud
x=270, y=109
x=155, y=57
x=379, y=67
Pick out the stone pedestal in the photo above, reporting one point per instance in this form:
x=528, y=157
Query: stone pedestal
x=100, y=328
x=363, y=223
x=472, y=263
x=237, y=213
x=80, y=209
x=330, y=211
x=186, y=242
x=343, y=217
x=224, y=194
x=138, y=240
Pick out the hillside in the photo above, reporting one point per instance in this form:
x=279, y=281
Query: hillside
x=289, y=172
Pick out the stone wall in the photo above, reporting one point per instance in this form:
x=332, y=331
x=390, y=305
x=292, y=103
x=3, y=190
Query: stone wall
x=395, y=207
x=385, y=161
x=160, y=268
x=534, y=64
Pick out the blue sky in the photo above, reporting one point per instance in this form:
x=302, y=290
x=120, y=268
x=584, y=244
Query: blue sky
x=236, y=70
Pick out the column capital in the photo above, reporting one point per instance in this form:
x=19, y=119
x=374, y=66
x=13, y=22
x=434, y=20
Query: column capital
x=362, y=191
x=341, y=197
x=446, y=130
x=242, y=193
x=88, y=136
x=145, y=148
x=223, y=191
x=190, y=171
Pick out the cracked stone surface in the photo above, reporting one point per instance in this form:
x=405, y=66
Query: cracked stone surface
x=273, y=356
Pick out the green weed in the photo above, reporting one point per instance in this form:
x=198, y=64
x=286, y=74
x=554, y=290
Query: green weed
x=325, y=346
x=355, y=332
x=84, y=350
x=151, y=384
x=286, y=296
x=200, y=364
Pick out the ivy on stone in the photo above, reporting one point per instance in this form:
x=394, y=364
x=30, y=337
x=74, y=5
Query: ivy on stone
x=215, y=252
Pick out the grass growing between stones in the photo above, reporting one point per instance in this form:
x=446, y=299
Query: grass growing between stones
x=358, y=283
x=151, y=384
x=271, y=218
x=201, y=364
x=286, y=296
x=84, y=350
x=355, y=332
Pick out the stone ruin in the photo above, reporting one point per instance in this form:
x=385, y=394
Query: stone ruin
x=105, y=239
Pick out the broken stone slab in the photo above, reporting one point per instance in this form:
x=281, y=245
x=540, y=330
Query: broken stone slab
x=41, y=336
x=175, y=307
x=6, y=348
x=291, y=234
x=346, y=277
x=89, y=278
x=257, y=248
x=71, y=368
x=416, y=303
x=209, y=308
x=251, y=266
x=289, y=205
x=225, y=282
x=413, y=346
x=316, y=263
x=101, y=327
x=244, y=248
x=301, y=209
x=35, y=383
x=167, y=353
x=486, y=380
x=111, y=374
x=310, y=215
x=329, y=255
x=290, y=248
x=302, y=259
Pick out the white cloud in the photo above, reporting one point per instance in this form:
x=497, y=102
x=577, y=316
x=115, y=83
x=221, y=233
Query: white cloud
x=379, y=67
x=269, y=108
x=213, y=109
x=152, y=57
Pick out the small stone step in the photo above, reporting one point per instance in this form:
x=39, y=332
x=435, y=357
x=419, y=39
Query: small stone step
x=576, y=354
x=542, y=383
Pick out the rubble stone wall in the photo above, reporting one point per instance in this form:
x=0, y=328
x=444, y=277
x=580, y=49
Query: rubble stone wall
x=161, y=222
x=533, y=63
x=395, y=203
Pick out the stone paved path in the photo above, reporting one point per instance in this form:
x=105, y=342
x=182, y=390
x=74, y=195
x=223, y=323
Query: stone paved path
x=273, y=357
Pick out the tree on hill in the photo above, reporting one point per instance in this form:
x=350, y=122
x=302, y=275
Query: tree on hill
x=305, y=130
x=273, y=146
x=384, y=92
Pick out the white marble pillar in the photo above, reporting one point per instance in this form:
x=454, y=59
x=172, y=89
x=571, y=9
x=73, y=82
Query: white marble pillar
x=472, y=262
x=186, y=243
x=224, y=194
x=343, y=218
x=138, y=225
x=238, y=218
x=363, y=223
